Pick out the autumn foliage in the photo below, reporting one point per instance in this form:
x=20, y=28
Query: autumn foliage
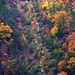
x=5, y=34
x=71, y=45
x=61, y=64
x=61, y=18
x=54, y=30
x=62, y=73
x=71, y=63
x=38, y=37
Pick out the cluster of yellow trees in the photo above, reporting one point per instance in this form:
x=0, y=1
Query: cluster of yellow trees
x=5, y=34
x=49, y=4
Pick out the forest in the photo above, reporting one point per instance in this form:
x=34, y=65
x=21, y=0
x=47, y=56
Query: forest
x=37, y=37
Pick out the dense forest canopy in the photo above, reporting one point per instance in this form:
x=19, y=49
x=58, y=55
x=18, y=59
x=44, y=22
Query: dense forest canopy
x=37, y=37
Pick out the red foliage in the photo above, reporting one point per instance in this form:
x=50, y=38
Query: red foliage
x=47, y=30
x=64, y=1
x=71, y=36
x=44, y=15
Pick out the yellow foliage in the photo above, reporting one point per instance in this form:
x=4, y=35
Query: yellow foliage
x=23, y=39
x=72, y=59
x=71, y=63
x=54, y=30
x=5, y=32
x=49, y=4
x=45, y=4
x=57, y=4
x=49, y=16
x=8, y=67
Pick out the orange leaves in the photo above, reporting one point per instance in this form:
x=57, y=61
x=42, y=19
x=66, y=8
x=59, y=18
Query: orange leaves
x=42, y=61
x=62, y=73
x=61, y=20
x=3, y=58
x=72, y=59
x=71, y=45
x=61, y=64
x=2, y=63
x=61, y=17
x=57, y=16
x=68, y=64
x=71, y=36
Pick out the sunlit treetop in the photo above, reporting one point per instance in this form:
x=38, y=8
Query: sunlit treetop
x=45, y=4
x=71, y=40
x=62, y=73
x=5, y=33
x=71, y=60
x=71, y=63
x=61, y=18
x=61, y=64
x=54, y=30
x=71, y=36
